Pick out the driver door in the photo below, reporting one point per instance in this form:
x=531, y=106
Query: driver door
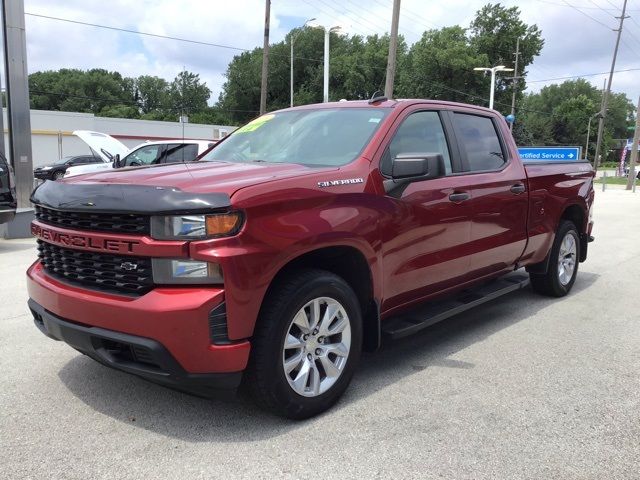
x=426, y=225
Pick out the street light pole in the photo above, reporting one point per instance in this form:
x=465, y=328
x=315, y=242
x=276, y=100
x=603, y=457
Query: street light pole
x=327, y=37
x=293, y=39
x=586, y=145
x=325, y=84
x=493, y=70
x=493, y=88
x=515, y=84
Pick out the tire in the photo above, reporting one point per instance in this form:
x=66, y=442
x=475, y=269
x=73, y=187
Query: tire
x=59, y=175
x=303, y=392
x=563, y=263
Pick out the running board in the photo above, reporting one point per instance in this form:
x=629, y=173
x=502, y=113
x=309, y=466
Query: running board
x=434, y=312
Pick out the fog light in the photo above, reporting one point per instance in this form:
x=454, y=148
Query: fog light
x=168, y=271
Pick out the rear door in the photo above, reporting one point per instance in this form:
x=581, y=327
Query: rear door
x=427, y=223
x=499, y=198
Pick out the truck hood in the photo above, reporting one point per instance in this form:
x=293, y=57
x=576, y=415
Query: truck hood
x=104, y=145
x=199, y=177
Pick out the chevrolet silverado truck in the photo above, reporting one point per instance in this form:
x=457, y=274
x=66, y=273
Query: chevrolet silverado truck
x=306, y=236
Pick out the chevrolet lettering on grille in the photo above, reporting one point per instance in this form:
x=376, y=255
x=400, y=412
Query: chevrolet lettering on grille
x=84, y=241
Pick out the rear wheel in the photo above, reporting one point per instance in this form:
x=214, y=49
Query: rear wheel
x=563, y=263
x=306, y=344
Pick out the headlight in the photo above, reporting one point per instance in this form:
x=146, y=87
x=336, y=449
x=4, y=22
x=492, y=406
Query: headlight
x=195, y=227
x=172, y=272
x=44, y=169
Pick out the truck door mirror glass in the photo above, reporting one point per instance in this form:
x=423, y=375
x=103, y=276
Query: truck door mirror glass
x=418, y=166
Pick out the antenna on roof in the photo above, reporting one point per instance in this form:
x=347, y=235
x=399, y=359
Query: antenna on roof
x=377, y=98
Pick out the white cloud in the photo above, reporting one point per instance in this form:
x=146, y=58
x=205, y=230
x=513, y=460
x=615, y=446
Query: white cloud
x=574, y=44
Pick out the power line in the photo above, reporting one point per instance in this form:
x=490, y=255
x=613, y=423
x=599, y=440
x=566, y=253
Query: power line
x=602, y=9
x=585, y=7
x=155, y=35
x=587, y=15
x=582, y=75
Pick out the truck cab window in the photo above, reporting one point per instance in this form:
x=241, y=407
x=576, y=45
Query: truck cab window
x=420, y=132
x=479, y=140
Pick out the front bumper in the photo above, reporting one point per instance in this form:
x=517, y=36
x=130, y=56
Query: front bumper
x=175, y=318
x=140, y=356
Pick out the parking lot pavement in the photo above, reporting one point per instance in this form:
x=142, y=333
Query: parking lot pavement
x=524, y=387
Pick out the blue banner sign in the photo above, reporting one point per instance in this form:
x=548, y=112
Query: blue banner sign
x=550, y=154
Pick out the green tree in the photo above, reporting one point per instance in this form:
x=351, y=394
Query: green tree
x=559, y=115
x=79, y=91
x=152, y=93
x=188, y=94
x=440, y=66
x=495, y=32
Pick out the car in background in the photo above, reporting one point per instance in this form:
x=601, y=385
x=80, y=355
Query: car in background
x=115, y=154
x=57, y=169
x=8, y=202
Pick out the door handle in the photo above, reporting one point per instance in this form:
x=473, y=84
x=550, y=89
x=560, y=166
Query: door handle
x=459, y=197
x=518, y=188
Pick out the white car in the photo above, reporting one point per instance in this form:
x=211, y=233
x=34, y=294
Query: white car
x=149, y=153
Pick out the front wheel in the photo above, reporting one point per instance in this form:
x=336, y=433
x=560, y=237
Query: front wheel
x=306, y=345
x=563, y=263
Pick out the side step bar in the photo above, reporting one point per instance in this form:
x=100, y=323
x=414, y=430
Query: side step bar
x=434, y=312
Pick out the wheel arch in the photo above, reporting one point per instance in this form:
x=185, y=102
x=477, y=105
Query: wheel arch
x=575, y=213
x=350, y=264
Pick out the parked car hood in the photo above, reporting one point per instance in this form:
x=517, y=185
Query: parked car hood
x=104, y=145
x=203, y=177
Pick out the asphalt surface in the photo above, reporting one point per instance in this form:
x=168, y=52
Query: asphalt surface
x=524, y=387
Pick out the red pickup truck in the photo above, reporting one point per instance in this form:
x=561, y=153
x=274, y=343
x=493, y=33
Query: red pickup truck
x=307, y=235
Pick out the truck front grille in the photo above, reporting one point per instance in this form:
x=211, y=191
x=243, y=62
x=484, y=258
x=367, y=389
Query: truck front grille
x=98, y=271
x=97, y=222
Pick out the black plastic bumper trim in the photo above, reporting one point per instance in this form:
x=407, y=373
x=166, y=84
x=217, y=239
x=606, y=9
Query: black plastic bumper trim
x=148, y=358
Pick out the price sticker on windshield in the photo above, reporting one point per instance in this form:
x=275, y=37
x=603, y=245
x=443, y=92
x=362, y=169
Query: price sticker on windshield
x=255, y=124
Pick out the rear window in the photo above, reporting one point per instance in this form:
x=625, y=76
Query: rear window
x=479, y=139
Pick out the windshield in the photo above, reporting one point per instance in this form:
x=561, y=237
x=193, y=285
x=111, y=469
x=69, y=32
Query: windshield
x=322, y=137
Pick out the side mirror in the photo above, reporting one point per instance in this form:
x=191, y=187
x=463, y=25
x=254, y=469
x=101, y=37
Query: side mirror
x=418, y=166
x=116, y=161
x=412, y=167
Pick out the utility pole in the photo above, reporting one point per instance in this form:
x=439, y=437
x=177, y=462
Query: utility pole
x=605, y=101
x=515, y=84
x=265, y=59
x=393, y=46
x=634, y=151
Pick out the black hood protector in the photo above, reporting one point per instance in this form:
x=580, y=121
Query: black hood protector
x=137, y=199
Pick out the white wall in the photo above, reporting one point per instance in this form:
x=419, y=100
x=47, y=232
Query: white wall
x=51, y=136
